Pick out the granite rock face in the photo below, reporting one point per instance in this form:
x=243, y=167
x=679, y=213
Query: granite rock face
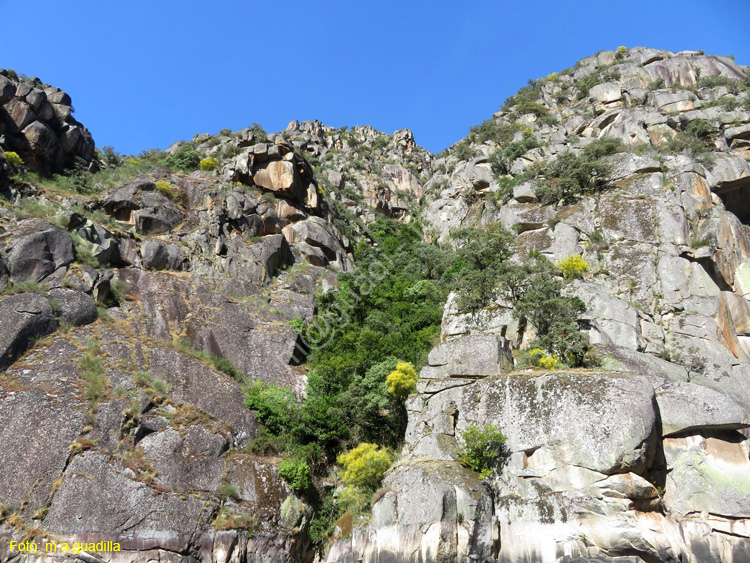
x=645, y=459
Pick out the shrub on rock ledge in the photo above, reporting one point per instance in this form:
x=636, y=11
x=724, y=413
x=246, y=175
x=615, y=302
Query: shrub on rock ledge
x=484, y=450
x=365, y=465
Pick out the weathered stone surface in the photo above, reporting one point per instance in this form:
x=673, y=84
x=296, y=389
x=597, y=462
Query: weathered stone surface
x=74, y=307
x=157, y=216
x=471, y=356
x=606, y=93
x=259, y=262
x=257, y=345
x=708, y=473
x=626, y=164
x=612, y=320
x=189, y=380
x=554, y=412
x=280, y=176
x=687, y=407
x=187, y=460
x=39, y=254
x=159, y=255
x=23, y=318
x=259, y=483
x=404, y=524
x=96, y=495
x=40, y=415
x=7, y=89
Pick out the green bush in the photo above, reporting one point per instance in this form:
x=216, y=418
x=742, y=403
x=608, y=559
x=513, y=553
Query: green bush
x=275, y=406
x=714, y=81
x=484, y=450
x=463, y=151
x=297, y=474
x=536, y=108
x=529, y=93
x=260, y=134
x=657, y=84
x=226, y=367
x=553, y=316
x=493, y=130
x=364, y=466
x=570, y=175
x=185, y=158
x=402, y=381
x=696, y=137
x=382, y=311
x=481, y=260
x=601, y=147
x=501, y=159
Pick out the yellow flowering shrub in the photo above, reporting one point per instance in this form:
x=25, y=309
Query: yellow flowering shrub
x=209, y=164
x=365, y=465
x=402, y=381
x=573, y=266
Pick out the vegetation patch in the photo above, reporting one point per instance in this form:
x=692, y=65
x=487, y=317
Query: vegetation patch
x=484, y=449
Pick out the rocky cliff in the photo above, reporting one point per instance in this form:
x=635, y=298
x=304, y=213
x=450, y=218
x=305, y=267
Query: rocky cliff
x=136, y=314
x=646, y=457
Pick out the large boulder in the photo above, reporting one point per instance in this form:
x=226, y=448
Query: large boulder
x=472, y=356
x=40, y=253
x=187, y=460
x=23, y=318
x=99, y=495
x=243, y=330
x=160, y=255
x=42, y=411
x=602, y=422
x=318, y=241
x=73, y=307
x=141, y=204
x=708, y=472
x=37, y=123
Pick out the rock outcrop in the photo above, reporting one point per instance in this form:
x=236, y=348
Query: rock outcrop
x=36, y=121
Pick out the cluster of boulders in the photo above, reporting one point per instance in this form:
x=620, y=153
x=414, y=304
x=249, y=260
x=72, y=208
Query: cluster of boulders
x=368, y=171
x=36, y=121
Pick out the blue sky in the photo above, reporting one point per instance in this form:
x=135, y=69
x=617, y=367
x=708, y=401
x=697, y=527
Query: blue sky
x=144, y=74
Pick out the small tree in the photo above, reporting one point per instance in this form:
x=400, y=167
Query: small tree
x=184, y=158
x=402, y=381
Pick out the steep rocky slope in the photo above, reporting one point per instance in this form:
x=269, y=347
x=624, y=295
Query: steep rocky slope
x=646, y=457
x=136, y=313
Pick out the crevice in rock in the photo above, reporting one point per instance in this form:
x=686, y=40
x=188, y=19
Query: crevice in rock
x=736, y=198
